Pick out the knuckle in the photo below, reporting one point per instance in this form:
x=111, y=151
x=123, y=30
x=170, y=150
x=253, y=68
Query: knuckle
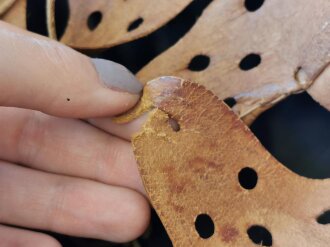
x=30, y=133
x=108, y=157
x=137, y=217
x=55, y=215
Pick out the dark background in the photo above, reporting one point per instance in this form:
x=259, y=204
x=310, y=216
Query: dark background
x=296, y=131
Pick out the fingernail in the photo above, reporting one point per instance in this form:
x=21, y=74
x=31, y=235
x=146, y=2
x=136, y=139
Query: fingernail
x=116, y=76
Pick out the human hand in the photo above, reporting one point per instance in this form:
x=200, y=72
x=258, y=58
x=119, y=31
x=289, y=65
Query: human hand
x=59, y=173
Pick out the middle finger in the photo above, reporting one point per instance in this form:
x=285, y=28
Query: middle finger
x=66, y=146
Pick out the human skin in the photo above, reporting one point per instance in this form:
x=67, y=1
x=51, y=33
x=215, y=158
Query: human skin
x=58, y=172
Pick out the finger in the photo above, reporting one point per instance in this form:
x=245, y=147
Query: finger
x=11, y=237
x=42, y=74
x=66, y=146
x=69, y=205
x=123, y=130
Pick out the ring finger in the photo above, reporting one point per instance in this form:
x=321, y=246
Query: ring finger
x=73, y=206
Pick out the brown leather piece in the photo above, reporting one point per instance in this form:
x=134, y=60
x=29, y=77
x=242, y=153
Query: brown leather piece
x=117, y=16
x=291, y=37
x=194, y=170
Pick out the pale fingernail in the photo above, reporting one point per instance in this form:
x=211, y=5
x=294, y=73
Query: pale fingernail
x=116, y=76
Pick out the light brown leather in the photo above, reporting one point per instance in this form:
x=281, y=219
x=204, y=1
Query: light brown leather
x=117, y=15
x=292, y=38
x=194, y=170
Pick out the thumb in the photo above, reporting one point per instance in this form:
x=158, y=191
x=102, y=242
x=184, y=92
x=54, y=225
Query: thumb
x=41, y=74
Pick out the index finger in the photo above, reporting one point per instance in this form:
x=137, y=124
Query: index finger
x=42, y=74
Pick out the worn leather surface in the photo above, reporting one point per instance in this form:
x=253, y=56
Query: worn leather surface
x=194, y=170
